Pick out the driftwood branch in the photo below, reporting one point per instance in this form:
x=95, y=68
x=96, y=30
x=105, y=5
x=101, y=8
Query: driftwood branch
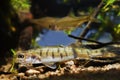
x=89, y=22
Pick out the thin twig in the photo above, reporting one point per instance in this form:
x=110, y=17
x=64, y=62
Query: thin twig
x=93, y=16
x=94, y=46
x=80, y=38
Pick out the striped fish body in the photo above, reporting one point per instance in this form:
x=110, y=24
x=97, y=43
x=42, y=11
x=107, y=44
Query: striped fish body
x=48, y=55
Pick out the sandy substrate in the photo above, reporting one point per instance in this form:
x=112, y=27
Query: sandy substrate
x=69, y=71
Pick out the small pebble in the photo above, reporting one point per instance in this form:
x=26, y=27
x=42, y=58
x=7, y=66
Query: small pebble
x=69, y=63
x=41, y=76
x=32, y=71
x=20, y=74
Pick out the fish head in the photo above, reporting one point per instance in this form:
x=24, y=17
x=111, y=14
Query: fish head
x=26, y=57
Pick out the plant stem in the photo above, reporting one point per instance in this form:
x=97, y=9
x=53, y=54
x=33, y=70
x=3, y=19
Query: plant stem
x=89, y=22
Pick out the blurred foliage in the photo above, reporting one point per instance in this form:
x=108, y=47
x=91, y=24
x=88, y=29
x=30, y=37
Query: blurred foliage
x=21, y=4
x=109, y=18
x=107, y=4
x=116, y=32
x=117, y=29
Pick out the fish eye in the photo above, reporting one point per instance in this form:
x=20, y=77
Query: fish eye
x=20, y=56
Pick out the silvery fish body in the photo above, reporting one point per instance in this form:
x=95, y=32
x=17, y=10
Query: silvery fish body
x=48, y=55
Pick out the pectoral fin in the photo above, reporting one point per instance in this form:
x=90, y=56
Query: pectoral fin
x=51, y=65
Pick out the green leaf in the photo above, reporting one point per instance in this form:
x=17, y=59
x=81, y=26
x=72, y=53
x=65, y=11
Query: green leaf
x=108, y=2
x=13, y=51
x=118, y=13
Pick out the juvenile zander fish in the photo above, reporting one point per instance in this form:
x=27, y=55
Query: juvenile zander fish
x=51, y=55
